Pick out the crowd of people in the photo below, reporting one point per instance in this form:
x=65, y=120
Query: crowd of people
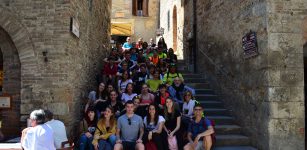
x=142, y=103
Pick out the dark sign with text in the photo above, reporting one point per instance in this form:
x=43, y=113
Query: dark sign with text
x=249, y=44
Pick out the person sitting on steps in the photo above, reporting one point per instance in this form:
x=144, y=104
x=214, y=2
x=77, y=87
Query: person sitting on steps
x=199, y=131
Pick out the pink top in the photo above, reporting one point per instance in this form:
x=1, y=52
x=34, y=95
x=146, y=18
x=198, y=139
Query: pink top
x=147, y=99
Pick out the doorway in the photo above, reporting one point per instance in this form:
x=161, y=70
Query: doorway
x=10, y=83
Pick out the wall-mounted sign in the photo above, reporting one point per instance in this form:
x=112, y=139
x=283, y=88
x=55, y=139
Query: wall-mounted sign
x=249, y=45
x=74, y=27
x=5, y=102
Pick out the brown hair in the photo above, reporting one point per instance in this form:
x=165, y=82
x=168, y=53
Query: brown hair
x=112, y=118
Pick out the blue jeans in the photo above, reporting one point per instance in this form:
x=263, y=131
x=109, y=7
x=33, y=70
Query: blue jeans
x=107, y=145
x=86, y=143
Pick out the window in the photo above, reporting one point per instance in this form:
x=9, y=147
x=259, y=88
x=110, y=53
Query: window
x=140, y=8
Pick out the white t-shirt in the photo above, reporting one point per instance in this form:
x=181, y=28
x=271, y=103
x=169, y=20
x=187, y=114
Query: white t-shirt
x=151, y=126
x=59, y=132
x=39, y=137
x=187, y=108
x=122, y=85
x=126, y=97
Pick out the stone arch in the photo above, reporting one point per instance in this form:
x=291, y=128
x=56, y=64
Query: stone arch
x=19, y=36
x=175, y=27
x=18, y=42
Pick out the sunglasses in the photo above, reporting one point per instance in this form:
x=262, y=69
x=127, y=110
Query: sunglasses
x=129, y=121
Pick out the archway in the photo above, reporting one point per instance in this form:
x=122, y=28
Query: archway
x=20, y=60
x=175, y=28
x=10, y=69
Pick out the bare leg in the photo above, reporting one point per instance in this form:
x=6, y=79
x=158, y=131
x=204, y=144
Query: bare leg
x=139, y=146
x=118, y=146
x=188, y=147
x=207, y=142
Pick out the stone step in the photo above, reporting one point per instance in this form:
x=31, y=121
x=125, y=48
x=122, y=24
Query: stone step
x=216, y=111
x=234, y=148
x=222, y=120
x=194, y=80
x=205, y=97
x=204, y=91
x=189, y=75
x=199, y=85
x=211, y=104
x=227, y=129
x=232, y=140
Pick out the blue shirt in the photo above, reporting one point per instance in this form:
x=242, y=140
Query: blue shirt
x=200, y=127
x=127, y=45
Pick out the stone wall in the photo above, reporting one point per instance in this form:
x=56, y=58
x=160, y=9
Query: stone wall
x=265, y=92
x=144, y=27
x=63, y=81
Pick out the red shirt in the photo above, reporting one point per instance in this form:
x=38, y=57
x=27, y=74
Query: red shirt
x=163, y=98
x=108, y=70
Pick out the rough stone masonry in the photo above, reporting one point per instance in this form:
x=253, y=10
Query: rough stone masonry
x=266, y=92
x=56, y=68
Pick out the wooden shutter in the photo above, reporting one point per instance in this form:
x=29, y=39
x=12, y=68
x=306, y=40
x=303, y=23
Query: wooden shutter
x=134, y=7
x=145, y=8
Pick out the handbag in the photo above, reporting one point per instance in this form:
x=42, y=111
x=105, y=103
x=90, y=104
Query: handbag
x=150, y=145
x=172, y=143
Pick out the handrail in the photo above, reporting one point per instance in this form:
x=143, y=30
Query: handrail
x=219, y=68
x=225, y=74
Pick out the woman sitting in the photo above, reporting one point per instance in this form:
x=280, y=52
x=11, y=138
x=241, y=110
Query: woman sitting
x=115, y=103
x=128, y=94
x=122, y=83
x=172, y=121
x=87, y=129
x=153, y=128
x=146, y=97
x=105, y=138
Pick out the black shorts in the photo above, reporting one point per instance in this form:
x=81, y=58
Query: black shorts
x=129, y=145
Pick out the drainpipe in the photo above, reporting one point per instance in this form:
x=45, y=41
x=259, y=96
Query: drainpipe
x=195, y=45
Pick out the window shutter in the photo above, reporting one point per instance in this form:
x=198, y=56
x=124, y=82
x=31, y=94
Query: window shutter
x=134, y=7
x=145, y=8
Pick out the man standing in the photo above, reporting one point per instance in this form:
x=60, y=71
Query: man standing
x=58, y=128
x=39, y=136
x=130, y=130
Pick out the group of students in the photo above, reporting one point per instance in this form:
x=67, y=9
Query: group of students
x=142, y=102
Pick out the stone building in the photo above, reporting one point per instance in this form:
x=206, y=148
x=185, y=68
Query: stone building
x=135, y=18
x=44, y=64
x=264, y=92
x=173, y=21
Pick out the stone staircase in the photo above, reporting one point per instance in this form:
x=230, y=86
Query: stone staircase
x=228, y=134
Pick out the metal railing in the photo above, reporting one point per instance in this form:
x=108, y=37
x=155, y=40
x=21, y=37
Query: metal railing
x=233, y=81
x=222, y=71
